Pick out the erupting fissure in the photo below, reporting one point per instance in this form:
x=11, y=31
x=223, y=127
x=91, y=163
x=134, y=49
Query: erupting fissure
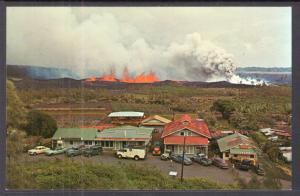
x=141, y=78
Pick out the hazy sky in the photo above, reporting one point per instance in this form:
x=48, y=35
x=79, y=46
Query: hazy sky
x=94, y=38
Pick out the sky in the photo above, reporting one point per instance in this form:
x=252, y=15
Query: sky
x=161, y=39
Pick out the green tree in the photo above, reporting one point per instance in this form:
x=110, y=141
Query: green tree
x=226, y=107
x=272, y=151
x=40, y=124
x=16, y=111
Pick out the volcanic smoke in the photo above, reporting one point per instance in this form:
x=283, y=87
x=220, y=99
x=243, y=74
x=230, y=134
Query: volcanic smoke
x=111, y=77
x=190, y=59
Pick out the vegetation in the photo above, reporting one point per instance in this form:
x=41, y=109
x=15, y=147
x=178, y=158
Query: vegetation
x=241, y=108
x=16, y=111
x=40, y=124
x=226, y=107
x=65, y=174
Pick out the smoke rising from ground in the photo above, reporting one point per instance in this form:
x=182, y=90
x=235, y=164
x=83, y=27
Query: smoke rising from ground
x=94, y=41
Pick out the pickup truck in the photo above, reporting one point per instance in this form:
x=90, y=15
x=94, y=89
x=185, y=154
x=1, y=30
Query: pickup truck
x=133, y=153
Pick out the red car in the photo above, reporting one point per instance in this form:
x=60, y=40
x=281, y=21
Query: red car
x=156, y=151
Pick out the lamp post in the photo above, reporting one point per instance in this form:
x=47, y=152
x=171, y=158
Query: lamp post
x=182, y=163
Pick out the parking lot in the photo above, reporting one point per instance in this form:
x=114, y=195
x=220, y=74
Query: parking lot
x=224, y=176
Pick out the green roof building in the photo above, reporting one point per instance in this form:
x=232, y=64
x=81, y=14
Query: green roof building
x=68, y=137
x=123, y=136
x=237, y=147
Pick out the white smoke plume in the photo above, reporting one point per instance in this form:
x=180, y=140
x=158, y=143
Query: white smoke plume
x=197, y=59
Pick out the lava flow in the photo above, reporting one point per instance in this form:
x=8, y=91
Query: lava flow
x=141, y=78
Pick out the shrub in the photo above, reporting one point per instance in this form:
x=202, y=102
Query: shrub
x=226, y=107
x=40, y=124
x=16, y=111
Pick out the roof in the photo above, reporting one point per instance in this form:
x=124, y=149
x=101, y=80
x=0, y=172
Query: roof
x=155, y=120
x=231, y=141
x=186, y=122
x=217, y=134
x=190, y=140
x=99, y=127
x=282, y=134
x=242, y=151
x=84, y=133
x=125, y=133
x=126, y=114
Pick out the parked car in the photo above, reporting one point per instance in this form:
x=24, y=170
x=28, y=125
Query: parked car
x=218, y=162
x=56, y=151
x=201, y=159
x=156, y=151
x=259, y=170
x=243, y=165
x=180, y=158
x=38, y=150
x=134, y=153
x=92, y=151
x=75, y=151
x=166, y=155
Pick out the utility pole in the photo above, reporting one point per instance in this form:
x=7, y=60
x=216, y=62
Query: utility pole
x=182, y=163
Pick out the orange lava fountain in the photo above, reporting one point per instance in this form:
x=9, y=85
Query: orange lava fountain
x=141, y=78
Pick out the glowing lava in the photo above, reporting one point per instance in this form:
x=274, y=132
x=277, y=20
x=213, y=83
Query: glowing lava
x=141, y=78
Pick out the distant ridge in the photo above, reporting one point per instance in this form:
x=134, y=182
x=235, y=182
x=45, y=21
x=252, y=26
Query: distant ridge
x=38, y=72
x=264, y=69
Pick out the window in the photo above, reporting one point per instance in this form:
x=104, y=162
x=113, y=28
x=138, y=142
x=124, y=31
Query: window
x=107, y=144
x=227, y=154
x=235, y=155
x=252, y=156
x=182, y=133
x=189, y=149
x=88, y=142
x=71, y=142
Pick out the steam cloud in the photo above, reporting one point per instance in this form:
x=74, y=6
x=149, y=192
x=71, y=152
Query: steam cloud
x=96, y=43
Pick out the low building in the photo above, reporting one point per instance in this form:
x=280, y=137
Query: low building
x=123, y=136
x=283, y=134
x=126, y=118
x=157, y=122
x=194, y=131
x=237, y=147
x=68, y=137
x=286, y=153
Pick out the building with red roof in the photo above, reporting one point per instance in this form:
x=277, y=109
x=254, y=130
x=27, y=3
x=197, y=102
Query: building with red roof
x=195, y=132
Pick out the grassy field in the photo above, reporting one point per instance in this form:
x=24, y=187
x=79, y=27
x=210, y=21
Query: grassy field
x=261, y=104
x=65, y=174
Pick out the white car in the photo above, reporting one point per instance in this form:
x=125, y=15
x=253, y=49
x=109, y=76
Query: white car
x=38, y=150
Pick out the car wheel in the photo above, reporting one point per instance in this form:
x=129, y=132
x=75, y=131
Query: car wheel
x=120, y=156
x=136, y=158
